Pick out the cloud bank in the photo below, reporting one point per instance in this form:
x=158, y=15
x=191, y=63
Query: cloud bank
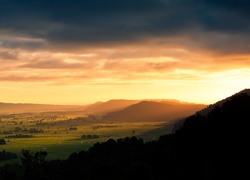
x=87, y=23
x=114, y=42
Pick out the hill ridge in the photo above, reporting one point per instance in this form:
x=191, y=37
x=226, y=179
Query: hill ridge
x=209, y=108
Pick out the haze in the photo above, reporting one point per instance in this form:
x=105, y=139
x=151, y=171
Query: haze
x=79, y=52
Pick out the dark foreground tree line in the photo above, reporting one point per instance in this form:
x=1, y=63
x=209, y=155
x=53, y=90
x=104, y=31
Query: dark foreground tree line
x=213, y=146
x=5, y=155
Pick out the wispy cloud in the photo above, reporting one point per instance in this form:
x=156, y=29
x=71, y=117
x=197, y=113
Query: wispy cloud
x=143, y=43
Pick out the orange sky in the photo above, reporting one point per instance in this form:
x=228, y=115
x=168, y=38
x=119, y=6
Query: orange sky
x=125, y=72
x=51, y=62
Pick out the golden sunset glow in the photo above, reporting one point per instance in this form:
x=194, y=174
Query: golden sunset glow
x=79, y=77
x=78, y=67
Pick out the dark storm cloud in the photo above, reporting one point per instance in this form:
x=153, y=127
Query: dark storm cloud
x=86, y=22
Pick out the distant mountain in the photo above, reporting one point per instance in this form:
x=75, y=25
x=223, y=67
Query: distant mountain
x=109, y=106
x=6, y=108
x=147, y=111
x=92, y=107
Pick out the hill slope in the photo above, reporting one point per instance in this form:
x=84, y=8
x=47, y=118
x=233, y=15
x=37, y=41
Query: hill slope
x=146, y=111
x=111, y=105
x=208, y=109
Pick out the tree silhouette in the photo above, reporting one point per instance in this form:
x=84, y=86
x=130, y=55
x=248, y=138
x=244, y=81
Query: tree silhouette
x=33, y=164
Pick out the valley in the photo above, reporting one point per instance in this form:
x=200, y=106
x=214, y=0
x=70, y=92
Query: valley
x=67, y=129
x=60, y=139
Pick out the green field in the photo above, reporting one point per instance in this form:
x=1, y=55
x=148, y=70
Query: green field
x=62, y=139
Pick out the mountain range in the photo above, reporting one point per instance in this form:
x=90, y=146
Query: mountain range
x=117, y=110
x=121, y=110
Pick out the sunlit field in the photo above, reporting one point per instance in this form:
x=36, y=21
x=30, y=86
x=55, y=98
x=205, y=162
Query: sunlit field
x=62, y=135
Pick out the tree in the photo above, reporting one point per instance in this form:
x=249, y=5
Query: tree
x=2, y=142
x=33, y=164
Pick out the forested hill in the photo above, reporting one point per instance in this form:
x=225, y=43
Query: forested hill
x=206, y=147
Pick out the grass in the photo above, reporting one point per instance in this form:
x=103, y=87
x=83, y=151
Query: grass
x=60, y=142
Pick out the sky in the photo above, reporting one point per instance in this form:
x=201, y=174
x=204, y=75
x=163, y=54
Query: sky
x=83, y=51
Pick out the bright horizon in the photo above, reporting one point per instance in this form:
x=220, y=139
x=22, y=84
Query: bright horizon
x=73, y=52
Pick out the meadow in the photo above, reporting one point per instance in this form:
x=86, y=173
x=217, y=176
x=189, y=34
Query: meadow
x=61, y=133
